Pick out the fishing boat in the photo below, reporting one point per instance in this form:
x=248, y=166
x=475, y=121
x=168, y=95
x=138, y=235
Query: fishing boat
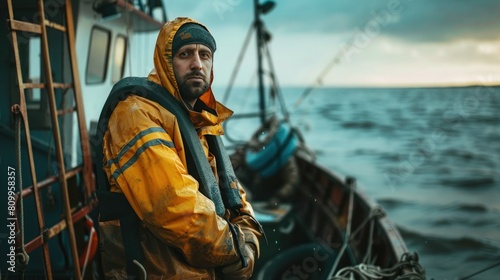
x=60, y=61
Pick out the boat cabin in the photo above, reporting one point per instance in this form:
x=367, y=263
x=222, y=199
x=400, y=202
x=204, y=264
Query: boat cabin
x=59, y=61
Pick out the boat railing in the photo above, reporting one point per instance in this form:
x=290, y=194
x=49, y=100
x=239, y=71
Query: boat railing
x=232, y=140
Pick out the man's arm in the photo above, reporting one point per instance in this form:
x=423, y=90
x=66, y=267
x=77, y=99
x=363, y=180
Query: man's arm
x=145, y=164
x=251, y=246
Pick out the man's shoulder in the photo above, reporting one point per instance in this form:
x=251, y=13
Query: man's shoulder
x=134, y=103
x=137, y=91
x=141, y=86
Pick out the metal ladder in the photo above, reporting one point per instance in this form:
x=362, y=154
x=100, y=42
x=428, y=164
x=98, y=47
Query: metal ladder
x=69, y=215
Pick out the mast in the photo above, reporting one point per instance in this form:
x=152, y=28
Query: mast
x=260, y=71
x=258, y=10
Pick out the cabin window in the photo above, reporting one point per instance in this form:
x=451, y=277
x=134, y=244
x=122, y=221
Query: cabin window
x=33, y=96
x=97, y=61
x=120, y=51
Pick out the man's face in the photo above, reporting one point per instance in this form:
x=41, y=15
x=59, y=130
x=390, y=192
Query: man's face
x=192, y=67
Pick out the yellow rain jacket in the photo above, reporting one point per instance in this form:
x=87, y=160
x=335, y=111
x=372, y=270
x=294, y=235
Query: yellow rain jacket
x=182, y=237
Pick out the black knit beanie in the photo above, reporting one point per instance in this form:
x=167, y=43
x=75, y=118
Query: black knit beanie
x=192, y=33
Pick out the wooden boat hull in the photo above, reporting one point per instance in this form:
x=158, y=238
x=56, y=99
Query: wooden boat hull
x=306, y=239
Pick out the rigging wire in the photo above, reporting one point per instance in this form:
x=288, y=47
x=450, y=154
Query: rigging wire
x=335, y=60
x=238, y=62
x=275, y=87
x=319, y=80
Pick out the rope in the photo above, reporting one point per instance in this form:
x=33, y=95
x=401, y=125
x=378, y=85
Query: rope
x=23, y=257
x=89, y=245
x=409, y=261
x=480, y=271
x=376, y=212
x=368, y=254
x=348, y=230
x=407, y=267
x=364, y=271
x=372, y=272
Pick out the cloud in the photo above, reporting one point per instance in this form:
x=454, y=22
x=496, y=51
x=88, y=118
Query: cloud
x=447, y=20
x=411, y=20
x=453, y=38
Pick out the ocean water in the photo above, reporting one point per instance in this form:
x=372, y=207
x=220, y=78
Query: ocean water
x=429, y=156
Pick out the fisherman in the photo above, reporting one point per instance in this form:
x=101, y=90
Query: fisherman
x=145, y=159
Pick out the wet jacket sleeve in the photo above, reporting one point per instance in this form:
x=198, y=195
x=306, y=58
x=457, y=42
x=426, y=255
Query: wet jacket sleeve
x=251, y=229
x=143, y=149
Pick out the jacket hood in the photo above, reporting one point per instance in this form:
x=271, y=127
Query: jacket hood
x=163, y=74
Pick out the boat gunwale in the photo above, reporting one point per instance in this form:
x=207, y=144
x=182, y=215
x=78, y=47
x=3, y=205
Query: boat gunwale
x=390, y=232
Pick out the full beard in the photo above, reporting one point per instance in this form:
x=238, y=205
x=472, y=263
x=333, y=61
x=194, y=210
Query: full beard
x=193, y=89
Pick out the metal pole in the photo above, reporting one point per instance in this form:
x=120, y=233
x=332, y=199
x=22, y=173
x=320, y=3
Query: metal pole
x=260, y=71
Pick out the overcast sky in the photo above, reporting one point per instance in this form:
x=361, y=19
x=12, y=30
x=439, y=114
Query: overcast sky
x=378, y=42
